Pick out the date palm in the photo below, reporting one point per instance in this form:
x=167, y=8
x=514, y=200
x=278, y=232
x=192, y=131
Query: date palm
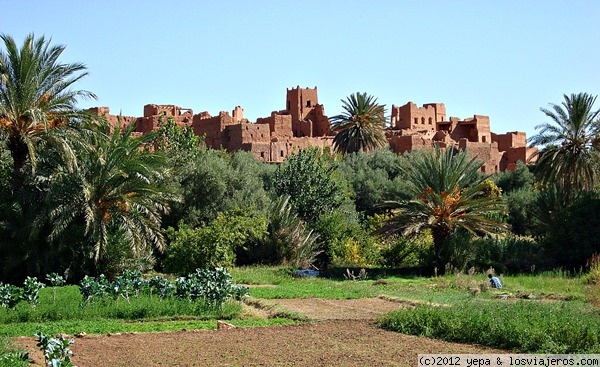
x=360, y=127
x=570, y=143
x=35, y=98
x=117, y=193
x=447, y=192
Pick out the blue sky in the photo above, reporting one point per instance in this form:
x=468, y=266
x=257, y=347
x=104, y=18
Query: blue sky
x=504, y=59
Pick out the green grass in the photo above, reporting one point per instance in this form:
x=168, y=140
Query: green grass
x=123, y=326
x=443, y=289
x=563, y=323
x=557, y=283
x=65, y=314
x=280, y=284
x=67, y=307
x=523, y=326
x=11, y=356
x=261, y=274
x=149, y=314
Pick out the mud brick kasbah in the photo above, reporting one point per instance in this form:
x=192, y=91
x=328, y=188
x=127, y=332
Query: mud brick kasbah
x=303, y=123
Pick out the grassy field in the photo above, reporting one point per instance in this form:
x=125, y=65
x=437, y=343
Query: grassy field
x=522, y=326
x=541, y=313
x=536, y=313
x=447, y=289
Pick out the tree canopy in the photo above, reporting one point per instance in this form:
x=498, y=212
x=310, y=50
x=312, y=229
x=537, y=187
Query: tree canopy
x=35, y=97
x=361, y=126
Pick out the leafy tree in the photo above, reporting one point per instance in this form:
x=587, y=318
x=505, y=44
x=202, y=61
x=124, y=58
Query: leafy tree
x=215, y=181
x=520, y=178
x=447, y=192
x=569, y=156
x=115, y=196
x=179, y=140
x=360, y=126
x=211, y=181
x=374, y=177
x=572, y=235
x=310, y=179
x=521, y=205
x=35, y=98
x=212, y=245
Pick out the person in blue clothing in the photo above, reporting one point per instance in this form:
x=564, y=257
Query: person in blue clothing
x=495, y=281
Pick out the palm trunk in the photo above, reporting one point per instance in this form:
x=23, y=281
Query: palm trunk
x=440, y=234
x=19, y=152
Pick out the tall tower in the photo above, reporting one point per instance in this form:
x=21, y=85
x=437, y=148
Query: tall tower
x=300, y=102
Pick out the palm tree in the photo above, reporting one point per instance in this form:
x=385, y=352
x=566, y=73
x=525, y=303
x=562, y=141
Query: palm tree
x=292, y=241
x=448, y=192
x=361, y=126
x=118, y=193
x=569, y=157
x=35, y=97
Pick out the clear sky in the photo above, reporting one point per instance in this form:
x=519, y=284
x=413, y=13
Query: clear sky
x=504, y=59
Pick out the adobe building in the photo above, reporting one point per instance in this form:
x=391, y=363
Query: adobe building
x=414, y=127
x=152, y=115
x=304, y=124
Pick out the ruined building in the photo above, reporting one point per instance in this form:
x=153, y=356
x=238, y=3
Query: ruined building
x=303, y=123
x=270, y=139
x=416, y=127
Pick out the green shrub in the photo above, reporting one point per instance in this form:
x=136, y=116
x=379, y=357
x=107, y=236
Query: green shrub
x=507, y=253
x=213, y=245
x=408, y=252
x=312, y=181
x=524, y=326
x=57, y=352
x=572, y=236
x=11, y=356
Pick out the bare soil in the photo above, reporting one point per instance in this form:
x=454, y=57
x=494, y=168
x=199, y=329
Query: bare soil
x=341, y=333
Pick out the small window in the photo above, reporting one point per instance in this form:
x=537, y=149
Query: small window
x=483, y=139
x=416, y=121
x=281, y=153
x=262, y=155
x=423, y=120
x=430, y=121
x=308, y=103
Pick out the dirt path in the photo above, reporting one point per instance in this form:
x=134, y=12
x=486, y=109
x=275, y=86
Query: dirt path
x=346, y=336
x=342, y=309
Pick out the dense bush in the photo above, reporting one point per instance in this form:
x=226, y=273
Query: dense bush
x=524, y=327
x=573, y=237
x=520, y=178
x=407, y=252
x=212, y=245
x=374, y=177
x=310, y=179
x=508, y=253
x=521, y=211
